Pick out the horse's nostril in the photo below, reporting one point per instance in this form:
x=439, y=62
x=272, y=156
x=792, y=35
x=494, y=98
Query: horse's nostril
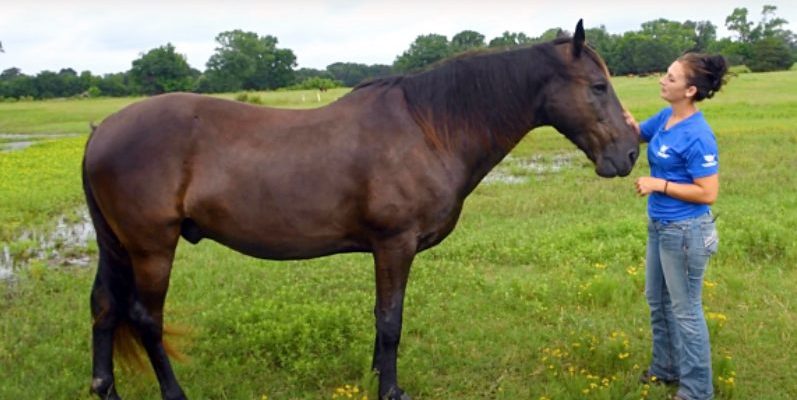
x=632, y=155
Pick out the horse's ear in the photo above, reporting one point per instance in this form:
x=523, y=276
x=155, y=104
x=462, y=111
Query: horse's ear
x=578, y=38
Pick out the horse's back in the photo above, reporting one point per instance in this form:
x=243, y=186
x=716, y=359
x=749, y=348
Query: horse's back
x=271, y=183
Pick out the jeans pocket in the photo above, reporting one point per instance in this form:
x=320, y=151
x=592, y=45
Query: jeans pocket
x=711, y=238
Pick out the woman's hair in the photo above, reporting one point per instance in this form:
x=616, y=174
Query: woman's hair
x=705, y=72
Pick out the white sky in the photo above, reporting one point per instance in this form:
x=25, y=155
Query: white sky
x=105, y=36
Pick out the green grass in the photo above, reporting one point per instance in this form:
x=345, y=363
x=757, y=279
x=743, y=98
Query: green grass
x=538, y=293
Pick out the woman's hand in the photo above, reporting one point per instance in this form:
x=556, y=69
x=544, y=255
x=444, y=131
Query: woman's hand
x=702, y=191
x=646, y=185
x=629, y=119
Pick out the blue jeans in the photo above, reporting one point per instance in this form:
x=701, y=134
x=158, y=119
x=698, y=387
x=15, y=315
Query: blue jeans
x=677, y=255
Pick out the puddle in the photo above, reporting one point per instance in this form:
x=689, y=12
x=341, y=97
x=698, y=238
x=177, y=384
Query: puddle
x=11, y=146
x=513, y=170
x=19, y=141
x=6, y=264
x=65, y=244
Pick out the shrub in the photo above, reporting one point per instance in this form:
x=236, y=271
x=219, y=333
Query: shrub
x=739, y=69
x=770, y=54
x=249, y=98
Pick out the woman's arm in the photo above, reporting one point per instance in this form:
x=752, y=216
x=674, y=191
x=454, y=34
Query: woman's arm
x=702, y=191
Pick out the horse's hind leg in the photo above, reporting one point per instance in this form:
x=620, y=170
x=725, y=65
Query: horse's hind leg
x=152, y=272
x=106, y=295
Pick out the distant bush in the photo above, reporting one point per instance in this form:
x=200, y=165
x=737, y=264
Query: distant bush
x=316, y=83
x=770, y=54
x=94, y=92
x=739, y=69
x=249, y=98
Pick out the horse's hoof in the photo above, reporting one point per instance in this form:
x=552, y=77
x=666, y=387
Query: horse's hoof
x=104, y=388
x=395, y=394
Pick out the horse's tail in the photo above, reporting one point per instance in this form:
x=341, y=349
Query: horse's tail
x=115, y=280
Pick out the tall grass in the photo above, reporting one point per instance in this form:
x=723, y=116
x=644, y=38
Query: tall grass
x=537, y=294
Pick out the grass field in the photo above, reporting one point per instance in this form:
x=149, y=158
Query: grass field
x=538, y=293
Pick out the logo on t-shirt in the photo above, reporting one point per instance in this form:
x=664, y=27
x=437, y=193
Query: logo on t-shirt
x=663, y=151
x=711, y=160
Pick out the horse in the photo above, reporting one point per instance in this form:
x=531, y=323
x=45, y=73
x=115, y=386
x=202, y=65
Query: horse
x=384, y=169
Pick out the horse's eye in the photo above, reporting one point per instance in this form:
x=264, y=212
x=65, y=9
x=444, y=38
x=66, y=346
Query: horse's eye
x=599, y=88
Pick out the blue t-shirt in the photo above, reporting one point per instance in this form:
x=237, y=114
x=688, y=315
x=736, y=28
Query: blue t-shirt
x=686, y=151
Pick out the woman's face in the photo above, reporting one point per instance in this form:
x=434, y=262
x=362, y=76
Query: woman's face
x=674, y=87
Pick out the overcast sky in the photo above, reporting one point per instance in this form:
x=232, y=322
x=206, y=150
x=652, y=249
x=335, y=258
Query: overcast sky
x=106, y=36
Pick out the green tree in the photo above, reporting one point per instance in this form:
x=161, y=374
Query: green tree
x=550, y=34
x=10, y=73
x=20, y=86
x=705, y=34
x=738, y=23
x=605, y=44
x=734, y=51
x=70, y=83
x=640, y=53
x=762, y=47
x=424, y=51
x=48, y=85
x=680, y=37
x=653, y=48
x=770, y=54
x=348, y=73
x=466, y=40
x=247, y=61
x=510, y=39
x=116, y=85
x=302, y=74
x=352, y=74
x=161, y=70
x=771, y=26
x=87, y=80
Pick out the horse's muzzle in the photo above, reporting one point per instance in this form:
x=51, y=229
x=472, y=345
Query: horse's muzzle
x=617, y=163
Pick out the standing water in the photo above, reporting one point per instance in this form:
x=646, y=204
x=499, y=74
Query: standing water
x=65, y=244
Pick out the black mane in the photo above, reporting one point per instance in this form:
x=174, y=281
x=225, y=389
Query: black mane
x=486, y=92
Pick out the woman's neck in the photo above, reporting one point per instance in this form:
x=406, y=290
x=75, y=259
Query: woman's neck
x=683, y=109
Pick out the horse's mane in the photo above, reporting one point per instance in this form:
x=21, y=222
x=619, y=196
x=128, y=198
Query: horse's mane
x=487, y=92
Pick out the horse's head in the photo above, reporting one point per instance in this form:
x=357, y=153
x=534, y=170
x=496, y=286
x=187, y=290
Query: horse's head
x=581, y=104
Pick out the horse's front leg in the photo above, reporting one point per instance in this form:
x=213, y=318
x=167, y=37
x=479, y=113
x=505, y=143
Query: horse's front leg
x=392, y=259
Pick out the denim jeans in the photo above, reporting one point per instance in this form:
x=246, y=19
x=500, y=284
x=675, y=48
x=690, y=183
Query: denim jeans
x=677, y=256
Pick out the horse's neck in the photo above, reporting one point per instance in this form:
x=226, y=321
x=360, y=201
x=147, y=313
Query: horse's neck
x=480, y=108
x=478, y=162
x=482, y=155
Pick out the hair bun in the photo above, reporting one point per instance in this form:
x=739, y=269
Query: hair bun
x=705, y=72
x=717, y=67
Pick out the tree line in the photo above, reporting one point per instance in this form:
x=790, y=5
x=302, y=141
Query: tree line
x=247, y=61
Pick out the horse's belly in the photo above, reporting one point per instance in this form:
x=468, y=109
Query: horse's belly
x=288, y=248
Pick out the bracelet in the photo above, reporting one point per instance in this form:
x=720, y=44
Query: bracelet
x=665, y=186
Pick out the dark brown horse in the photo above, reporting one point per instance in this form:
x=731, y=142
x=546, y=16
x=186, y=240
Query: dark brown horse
x=385, y=170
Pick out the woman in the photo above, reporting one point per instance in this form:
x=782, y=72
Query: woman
x=684, y=182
